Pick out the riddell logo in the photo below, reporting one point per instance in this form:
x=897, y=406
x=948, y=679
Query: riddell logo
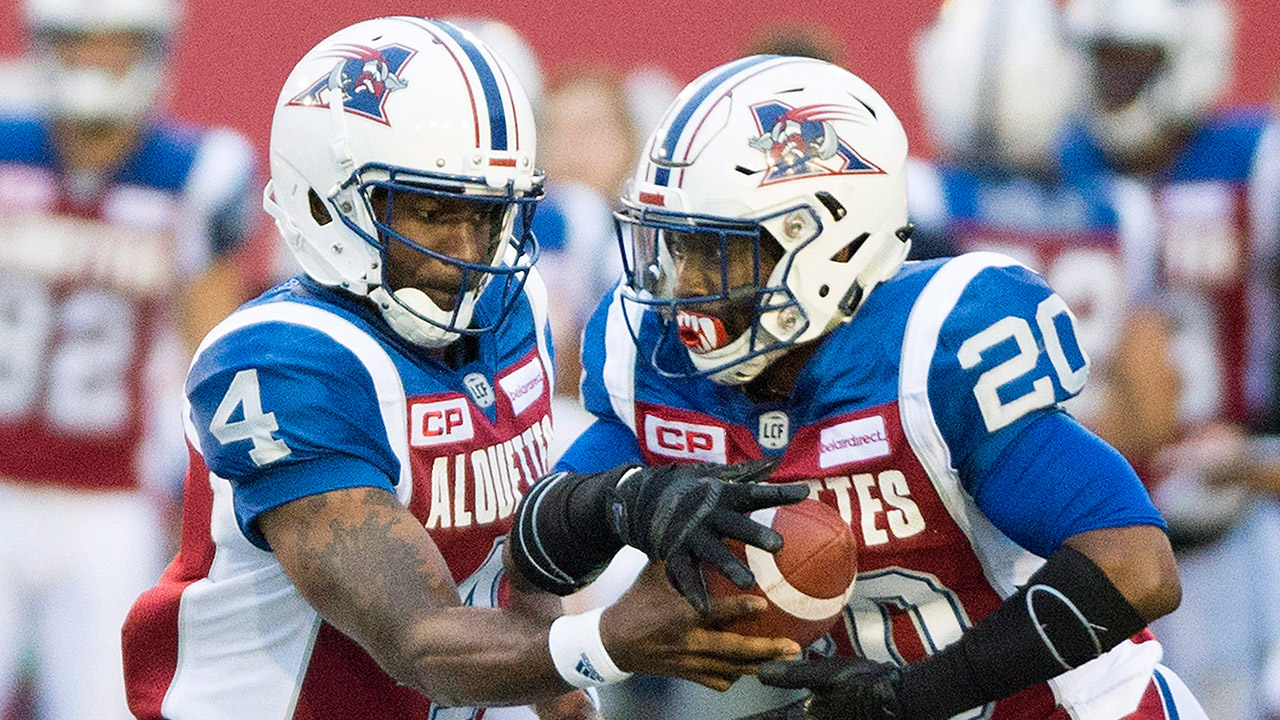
x=851, y=441
x=438, y=423
x=686, y=441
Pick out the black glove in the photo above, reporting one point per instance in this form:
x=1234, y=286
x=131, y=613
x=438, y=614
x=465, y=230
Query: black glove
x=844, y=688
x=681, y=515
x=791, y=711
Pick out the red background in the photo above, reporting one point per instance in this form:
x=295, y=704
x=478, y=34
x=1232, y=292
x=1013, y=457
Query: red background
x=233, y=55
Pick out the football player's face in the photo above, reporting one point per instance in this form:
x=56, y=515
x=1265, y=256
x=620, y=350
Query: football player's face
x=114, y=52
x=726, y=272
x=1122, y=71
x=465, y=230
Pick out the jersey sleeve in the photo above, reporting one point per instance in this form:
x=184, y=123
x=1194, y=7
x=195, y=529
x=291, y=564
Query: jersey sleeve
x=608, y=362
x=220, y=201
x=604, y=445
x=1056, y=479
x=1006, y=354
x=1006, y=357
x=282, y=412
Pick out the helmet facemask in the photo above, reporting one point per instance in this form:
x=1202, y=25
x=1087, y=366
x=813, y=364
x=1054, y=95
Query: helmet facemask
x=441, y=242
x=718, y=286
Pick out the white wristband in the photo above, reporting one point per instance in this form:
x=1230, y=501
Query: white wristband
x=578, y=652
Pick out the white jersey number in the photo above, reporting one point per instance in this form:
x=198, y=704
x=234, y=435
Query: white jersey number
x=78, y=350
x=998, y=413
x=894, y=595
x=256, y=425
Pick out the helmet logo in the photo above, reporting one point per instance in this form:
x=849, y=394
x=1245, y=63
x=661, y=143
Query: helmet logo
x=801, y=142
x=365, y=76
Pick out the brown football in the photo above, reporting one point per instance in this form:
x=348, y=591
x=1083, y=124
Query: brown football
x=807, y=582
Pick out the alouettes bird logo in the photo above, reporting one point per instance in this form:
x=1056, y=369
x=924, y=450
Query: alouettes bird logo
x=799, y=142
x=364, y=77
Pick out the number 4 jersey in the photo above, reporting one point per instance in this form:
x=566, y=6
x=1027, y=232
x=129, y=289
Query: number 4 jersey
x=303, y=391
x=910, y=420
x=89, y=287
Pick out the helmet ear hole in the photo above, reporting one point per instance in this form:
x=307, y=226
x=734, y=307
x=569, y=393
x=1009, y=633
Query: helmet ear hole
x=319, y=212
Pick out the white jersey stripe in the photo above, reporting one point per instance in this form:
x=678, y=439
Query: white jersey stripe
x=920, y=342
x=620, y=358
x=536, y=291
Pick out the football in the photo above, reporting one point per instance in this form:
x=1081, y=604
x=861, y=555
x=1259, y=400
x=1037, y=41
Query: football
x=807, y=582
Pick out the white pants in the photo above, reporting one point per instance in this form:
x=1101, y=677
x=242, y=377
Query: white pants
x=1219, y=639
x=71, y=565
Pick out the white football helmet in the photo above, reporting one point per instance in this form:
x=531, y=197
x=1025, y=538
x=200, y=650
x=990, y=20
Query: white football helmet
x=1196, y=37
x=404, y=105
x=788, y=160
x=997, y=81
x=90, y=92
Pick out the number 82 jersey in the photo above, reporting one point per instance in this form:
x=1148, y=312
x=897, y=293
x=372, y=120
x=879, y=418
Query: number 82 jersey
x=931, y=422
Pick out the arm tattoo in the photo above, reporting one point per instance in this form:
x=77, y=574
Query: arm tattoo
x=365, y=563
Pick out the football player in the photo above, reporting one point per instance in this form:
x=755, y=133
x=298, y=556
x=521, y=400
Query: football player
x=995, y=117
x=116, y=250
x=1197, y=188
x=1009, y=560
x=360, y=435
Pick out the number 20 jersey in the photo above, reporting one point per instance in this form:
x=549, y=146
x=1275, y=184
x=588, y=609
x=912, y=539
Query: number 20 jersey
x=935, y=365
x=306, y=390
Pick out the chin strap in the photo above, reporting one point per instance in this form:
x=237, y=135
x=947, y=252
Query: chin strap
x=407, y=323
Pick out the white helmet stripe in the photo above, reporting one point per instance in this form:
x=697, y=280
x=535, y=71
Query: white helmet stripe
x=435, y=32
x=709, y=104
x=494, y=100
x=687, y=109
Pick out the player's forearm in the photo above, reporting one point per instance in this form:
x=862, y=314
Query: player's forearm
x=1068, y=614
x=545, y=606
x=366, y=565
x=480, y=656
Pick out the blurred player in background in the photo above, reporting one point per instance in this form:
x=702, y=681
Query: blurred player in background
x=115, y=257
x=998, y=84
x=1196, y=192
x=362, y=434
x=767, y=312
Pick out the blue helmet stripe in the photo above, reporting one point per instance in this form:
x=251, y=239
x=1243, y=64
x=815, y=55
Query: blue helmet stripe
x=677, y=126
x=492, y=96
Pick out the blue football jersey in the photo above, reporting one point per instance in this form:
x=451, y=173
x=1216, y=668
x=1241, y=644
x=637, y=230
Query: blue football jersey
x=306, y=390
x=1205, y=230
x=901, y=420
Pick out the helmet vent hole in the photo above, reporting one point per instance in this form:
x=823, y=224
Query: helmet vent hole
x=865, y=105
x=822, y=291
x=847, y=252
x=831, y=204
x=319, y=212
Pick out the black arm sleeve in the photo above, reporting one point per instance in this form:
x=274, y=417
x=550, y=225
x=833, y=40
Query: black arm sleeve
x=1067, y=614
x=562, y=536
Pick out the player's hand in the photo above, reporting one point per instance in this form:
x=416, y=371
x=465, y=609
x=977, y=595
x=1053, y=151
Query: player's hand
x=570, y=706
x=844, y=688
x=652, y=630
x=681, y=515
